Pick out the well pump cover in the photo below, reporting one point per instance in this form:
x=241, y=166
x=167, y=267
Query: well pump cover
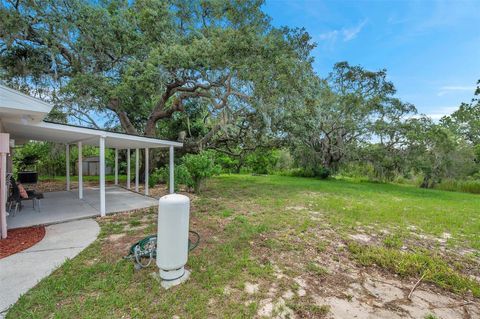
x=172, y=236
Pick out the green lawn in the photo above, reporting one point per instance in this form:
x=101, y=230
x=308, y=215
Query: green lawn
x=348, y=203
x=254, y=228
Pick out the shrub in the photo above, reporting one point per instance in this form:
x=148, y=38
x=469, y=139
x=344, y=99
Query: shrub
x=320, y=172
x=181, y=174
x=200, y=167
x=261, y=161
x=227, y=163
x=154, y=178
x=284, y=160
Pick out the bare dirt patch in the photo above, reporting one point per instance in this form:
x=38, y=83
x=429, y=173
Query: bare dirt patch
x=346, y=289
x=361, y=237
x=251, y=288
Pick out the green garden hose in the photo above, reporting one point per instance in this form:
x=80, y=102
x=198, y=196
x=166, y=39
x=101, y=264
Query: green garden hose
x=147, y=248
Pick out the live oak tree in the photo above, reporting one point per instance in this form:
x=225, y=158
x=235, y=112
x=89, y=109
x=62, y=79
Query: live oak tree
x=464, y=123
x=385, y=151
x=350, y=107
x=139, y=63
x=430, y=150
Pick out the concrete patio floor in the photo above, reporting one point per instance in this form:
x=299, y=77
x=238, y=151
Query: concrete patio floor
x=63, y=206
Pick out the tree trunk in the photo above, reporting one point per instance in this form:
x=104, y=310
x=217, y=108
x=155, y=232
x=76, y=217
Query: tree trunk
x=426, y=182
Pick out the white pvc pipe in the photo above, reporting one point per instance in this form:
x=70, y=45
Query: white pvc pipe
x=67, y=163
x=3, y=200
x=147, y=168
x=80, y=171
x=102, y=176
x=137, y=169
x=172, y=169
x=116, y=166
x=128, y=168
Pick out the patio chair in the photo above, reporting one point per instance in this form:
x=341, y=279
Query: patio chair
x=16, y=200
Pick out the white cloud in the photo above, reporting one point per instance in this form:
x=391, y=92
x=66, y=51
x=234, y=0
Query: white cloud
x=330, y=35
x=346, y=34
x=455, y=88
x=351, y=33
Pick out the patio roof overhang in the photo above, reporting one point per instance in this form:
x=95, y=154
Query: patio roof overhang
x=71, y=134
x=15, y=105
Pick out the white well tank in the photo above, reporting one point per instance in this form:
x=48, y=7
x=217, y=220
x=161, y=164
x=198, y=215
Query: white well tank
x=172, y=235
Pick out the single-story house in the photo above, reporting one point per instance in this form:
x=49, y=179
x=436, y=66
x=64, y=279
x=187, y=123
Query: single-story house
x=22, y=118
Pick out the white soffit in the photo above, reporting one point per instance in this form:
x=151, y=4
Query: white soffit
x=16, y=105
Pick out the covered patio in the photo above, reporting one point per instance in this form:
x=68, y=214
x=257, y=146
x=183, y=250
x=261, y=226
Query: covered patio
x=65, y=206
x=22, y=119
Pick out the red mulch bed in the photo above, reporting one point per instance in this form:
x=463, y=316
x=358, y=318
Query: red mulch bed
x=20, y=239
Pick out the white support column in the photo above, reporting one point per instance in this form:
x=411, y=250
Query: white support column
x=137, y=169
x=128, y=168
x=80, y=171
x=147, y=168
x=67, y=165
x=102, y=176
x=3, y=199
x=116, y=166
x=172, y=169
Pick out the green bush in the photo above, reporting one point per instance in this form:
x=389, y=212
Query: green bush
x=162, y=175
x=284, y=160
x=200, y=167
x=154, y=178
x=227, y=163
x=192, y=172
x=261, y=161
x=319, y=172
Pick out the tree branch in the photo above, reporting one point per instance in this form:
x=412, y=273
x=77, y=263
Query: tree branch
x=114, y=105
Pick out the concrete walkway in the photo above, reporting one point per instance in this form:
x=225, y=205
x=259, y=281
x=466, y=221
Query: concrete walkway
x=22, y=271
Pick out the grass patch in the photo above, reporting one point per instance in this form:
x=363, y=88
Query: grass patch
x=416, y=264
x=315, y=269
x=135, y=223
x=321, y=246
x=471, y=186
x=308, y=310
x=226, y=213
x=347, y=204
x=393, y=241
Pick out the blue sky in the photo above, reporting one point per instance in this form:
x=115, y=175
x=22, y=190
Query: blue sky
x=431, y=49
